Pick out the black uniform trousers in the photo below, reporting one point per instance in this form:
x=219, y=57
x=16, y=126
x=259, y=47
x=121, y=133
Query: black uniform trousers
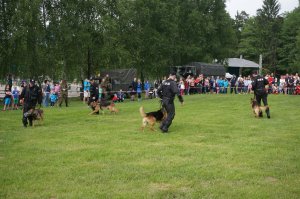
x=168, y=105
x=262, y=97
x=26, y=116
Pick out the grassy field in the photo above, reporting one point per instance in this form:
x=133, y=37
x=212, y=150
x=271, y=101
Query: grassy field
x=215, y=149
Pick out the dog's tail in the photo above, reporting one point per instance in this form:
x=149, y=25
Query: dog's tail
x=142, y=112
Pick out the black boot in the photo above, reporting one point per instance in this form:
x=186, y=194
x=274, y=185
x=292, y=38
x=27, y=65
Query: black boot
x=268, y=113
x=24, y=121
x=163, y=129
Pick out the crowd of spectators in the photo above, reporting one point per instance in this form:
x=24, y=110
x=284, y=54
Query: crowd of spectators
x=286, y=84
x=52, y=91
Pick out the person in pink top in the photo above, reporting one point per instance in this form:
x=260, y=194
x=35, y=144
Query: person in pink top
x=57, y=89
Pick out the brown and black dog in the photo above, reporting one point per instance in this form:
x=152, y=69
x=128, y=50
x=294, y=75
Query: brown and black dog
x=258, y=110
x=152, y=117
x=97, y=107
x=37, y=115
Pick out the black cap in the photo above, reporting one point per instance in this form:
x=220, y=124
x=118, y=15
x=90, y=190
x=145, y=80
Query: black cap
x=32, y=81
x=172, y=73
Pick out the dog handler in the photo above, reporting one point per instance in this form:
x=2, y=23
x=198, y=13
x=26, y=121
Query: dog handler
x=94, y=91
x=260, y=92
x=30, y=96
x=167, y=92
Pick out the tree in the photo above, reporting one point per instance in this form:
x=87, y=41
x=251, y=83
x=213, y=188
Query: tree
x=268, y=30
x=239, y=23
x=289, y=46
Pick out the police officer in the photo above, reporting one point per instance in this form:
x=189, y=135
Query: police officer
x=260, y=92
x=94, y=91
x=167, y=92
x=30, y=96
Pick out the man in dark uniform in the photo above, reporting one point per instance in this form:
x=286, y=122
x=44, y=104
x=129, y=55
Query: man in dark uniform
x=167, y=92
x=94, y=91
x=260, y=92
x=64, y=93
x=30, y=96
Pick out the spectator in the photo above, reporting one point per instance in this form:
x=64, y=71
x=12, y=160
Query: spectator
x=115, y=98
x=46, y=91
x=226, y=84
x=16, y=94
x=147, y=86
x=181, y=86
x=120, y=96
x=7, y=98
x=53, y=98
x=232, y=85
x=64, y=93
x=86, y=90
x=139, y=89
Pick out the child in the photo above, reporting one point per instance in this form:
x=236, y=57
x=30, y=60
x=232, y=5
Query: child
x=16, y=94
x=53, y=98
x=115, y=98
x=120, y=96
x=297, y=89
x=7, y=98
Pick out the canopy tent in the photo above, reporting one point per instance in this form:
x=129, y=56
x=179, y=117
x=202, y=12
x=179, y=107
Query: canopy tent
x=241, y=63
x=235, y=65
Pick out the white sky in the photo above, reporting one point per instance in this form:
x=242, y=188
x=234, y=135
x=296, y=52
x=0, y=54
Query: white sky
x=250, y=6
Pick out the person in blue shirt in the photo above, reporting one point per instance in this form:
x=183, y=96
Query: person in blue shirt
x=139, y=90
x=86, y=90
x=53, y=98
x=226, y=84
x=147, y=86
x=16, y=94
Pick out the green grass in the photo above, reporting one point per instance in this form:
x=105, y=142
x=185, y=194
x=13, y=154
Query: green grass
x=215, y=149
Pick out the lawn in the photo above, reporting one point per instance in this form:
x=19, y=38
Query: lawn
x=215, y=149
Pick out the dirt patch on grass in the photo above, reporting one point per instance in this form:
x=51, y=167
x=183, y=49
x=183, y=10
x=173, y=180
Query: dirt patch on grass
x=271, y=179
x=160, y=187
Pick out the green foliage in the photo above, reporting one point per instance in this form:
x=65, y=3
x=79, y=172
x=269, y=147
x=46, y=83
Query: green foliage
x=68, y=39
x=79, y=38
x=290, y=48
x=216, y=148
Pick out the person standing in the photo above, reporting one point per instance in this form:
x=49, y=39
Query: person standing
x=232, y=85
x=260, y=92
x=7, y=98
x=15, y=94
x=30, y=96
x=147, y=86
x=167, y=92
x=139, y=90
x=46, y=91
x=94, y=91
x=86, y=90
x=64, y=93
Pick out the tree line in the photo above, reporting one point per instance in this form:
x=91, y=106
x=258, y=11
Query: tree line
x=75, y=39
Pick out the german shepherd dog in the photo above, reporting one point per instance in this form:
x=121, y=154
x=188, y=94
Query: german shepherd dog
x=258, y=110
x=36, y=114
x=152, y=117
x=97, y=107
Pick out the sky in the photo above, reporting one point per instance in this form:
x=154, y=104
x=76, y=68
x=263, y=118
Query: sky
x=250, y=6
